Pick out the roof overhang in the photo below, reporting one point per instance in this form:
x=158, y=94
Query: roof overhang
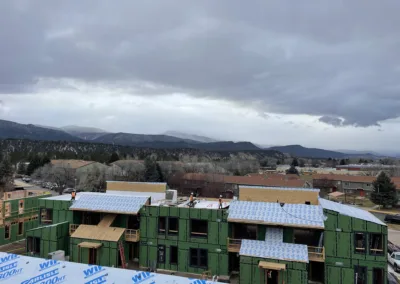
x=244, y=221
x=90, y=245
x=271, y=265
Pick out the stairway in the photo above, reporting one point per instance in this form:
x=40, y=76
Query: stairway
x=107, y=220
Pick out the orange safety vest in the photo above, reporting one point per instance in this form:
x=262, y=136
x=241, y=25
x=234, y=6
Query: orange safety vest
x=220, y=201
x=191, y=197
x=73, y=194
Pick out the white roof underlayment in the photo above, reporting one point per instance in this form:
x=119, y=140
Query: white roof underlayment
x=155, y=196
x=18, y=269
x=274, y=250
x=280, y=188
x=100, y=202
x=350, y=211
x=300, y=215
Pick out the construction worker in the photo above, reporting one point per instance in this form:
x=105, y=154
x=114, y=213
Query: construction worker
x=191, y=203
x=73, y=194
x=220, y=202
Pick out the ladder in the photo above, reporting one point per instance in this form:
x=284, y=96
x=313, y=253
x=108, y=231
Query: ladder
x=122, y=254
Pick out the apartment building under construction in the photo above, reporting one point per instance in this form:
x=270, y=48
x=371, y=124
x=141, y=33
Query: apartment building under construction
x=265, y=235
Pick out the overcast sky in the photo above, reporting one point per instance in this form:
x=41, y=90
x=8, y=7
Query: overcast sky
x=318, y=73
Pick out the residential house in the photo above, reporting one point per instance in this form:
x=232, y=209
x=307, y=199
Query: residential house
x=214, y=185
x=349, y=184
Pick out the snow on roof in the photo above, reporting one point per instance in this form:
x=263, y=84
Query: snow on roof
x=100, y=202
x=296, y=215
x=274, y=250
x=350, y=211
x=280, y=188
x=30, y=270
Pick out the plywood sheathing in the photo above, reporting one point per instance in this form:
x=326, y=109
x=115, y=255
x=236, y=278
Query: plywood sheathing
x=271, y=265
x=98, y=233
x=107, y=220
x=136, y=186
x=274, y=195
x=89, y=245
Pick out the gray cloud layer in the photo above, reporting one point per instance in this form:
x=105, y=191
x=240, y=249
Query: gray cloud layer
x=335, y=59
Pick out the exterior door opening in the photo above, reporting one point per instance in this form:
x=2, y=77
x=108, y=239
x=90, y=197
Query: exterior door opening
x=92, y=256
x=234, y=262
x=271, y=276
x=378, y=276
x=316, y=271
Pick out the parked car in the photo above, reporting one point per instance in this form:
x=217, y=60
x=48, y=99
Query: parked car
x=395, y=219
x=394, y=260
x=68, y=190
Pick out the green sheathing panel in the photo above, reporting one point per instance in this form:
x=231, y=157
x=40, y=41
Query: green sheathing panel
x=31, y=208
x=250, y=273
x=52, y=238
x=340, y=255
x=215, y=243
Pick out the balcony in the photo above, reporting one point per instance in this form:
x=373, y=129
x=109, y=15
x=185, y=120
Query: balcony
x=132, y=235
x=234, y=245
x=316, y=254
x=72, y=228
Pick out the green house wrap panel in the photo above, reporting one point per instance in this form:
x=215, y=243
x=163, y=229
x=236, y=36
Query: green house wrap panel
x=213, y=263
x=174, y=211
x=143, y=255
x=164, y=211
x=183, y=259
x=344, y=223
x=183, y=230
x=223, y=264
x=333, y=275
x=205, y=214
x=246, y=274
x=213, y=233
x=153, y=211
x=359, y=225
x=223, y=233
x=152, y=254
x=194, y=213
x=330, y=243
x=344, y=247
x=374, y=228
x=143, y=227
x=331, y=222
x=184, y=213
x=288, y=235
x=152, y=227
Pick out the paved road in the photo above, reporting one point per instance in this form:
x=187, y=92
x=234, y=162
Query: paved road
x=394, y=236
x=36, y=187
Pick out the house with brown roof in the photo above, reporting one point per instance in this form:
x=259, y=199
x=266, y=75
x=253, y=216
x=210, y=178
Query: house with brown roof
x=350, y=184
x=214, y=185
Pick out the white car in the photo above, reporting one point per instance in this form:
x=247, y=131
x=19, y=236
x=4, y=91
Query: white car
x=394, y=260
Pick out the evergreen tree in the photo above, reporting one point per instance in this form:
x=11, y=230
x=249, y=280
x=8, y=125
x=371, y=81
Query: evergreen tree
x=160, y=174
x=114, y=157
x=6, y=174
x=21, y=168
x=292, y=171
x=384, y=191
x=343, y=162
x=295, y=162
x=151, y=174
x=302, y=164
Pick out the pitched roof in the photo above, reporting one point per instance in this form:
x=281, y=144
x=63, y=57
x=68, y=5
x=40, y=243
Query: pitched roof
x=275, y=250
x=396, y=181
x=261, y=180
x=345, y=178
x=73, y=164
x=291, y=215
x=349, y=211
x=90, y=232
x=100, y=202
x=281, y=188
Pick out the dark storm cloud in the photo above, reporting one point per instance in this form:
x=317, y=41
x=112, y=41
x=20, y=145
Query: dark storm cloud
x=334, y=59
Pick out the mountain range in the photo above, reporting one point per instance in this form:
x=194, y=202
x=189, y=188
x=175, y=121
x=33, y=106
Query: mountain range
x=167, y=140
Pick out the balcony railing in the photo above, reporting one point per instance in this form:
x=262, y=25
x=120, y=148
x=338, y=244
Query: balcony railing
x=234, y=245
x=72, y=228
x=316, y=254
x=132, y=235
